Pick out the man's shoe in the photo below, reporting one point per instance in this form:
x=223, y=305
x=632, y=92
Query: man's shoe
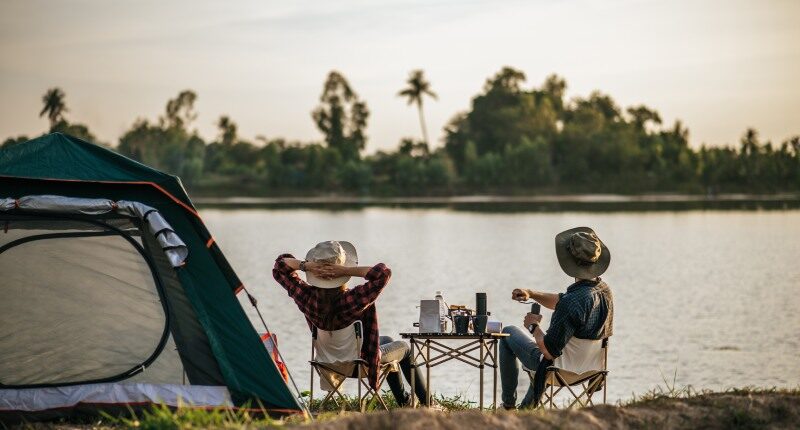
x=509, y=407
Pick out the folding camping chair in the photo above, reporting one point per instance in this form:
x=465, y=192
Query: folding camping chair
x=336, y=356
x=584, y=365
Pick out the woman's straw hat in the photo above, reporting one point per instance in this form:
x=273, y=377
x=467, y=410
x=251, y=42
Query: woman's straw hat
x=581, y=253
x=332, y=252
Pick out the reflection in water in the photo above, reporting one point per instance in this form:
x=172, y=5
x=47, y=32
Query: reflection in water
x=709, y=294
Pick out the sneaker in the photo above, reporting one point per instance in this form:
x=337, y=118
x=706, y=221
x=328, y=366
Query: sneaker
x=509, y=407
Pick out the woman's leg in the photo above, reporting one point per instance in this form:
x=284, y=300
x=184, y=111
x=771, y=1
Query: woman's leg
x=401, y=352
x=519, y=345
x=393, y=379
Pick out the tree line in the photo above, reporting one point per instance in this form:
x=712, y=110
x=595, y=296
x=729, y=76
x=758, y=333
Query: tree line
x=512, y=140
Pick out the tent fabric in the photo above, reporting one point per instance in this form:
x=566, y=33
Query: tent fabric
x=199, y=364
x=48, y=337
x=57, y=164
x=7, y=204
x=172, y=245
x=39, y=399
x=65, y=205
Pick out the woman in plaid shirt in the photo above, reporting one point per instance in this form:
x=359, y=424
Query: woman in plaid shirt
x=329, y=305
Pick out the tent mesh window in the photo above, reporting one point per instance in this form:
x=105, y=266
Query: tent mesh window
x=98, y=291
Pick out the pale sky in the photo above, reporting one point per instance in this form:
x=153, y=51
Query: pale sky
x=720, y=66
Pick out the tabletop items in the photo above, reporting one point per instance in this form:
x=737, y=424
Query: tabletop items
x=435, y=317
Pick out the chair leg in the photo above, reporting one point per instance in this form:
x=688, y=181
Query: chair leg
x=360, y=400
x=325, y=400
x=381, y=401
x=592, y=388
x=371, y=395
x=333, y=392
x=311, y=394
x=587, y=390
x=569, y=388
x=582, y=397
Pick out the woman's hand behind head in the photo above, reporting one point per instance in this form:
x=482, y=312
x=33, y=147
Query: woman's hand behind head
x=326, y=270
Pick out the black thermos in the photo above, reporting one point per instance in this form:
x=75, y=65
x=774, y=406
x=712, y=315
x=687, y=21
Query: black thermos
x=480, y=303
x=535, y=309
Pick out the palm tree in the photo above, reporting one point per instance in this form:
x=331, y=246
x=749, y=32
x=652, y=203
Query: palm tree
x=54, y=106
x=227, y=129
x=417, y=88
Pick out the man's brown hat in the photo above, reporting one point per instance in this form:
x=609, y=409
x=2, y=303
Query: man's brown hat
x=581, y=253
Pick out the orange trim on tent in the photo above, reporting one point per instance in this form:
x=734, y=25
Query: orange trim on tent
x=210, y=242
x=239, y=288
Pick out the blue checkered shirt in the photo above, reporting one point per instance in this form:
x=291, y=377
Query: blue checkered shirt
x=585, y=311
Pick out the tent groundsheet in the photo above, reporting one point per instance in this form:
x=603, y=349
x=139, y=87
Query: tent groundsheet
x=40, y=399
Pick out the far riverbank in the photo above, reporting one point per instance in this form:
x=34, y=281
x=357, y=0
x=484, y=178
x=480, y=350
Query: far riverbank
x=500, y=203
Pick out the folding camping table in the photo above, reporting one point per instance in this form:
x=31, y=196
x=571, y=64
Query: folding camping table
x=485, y=344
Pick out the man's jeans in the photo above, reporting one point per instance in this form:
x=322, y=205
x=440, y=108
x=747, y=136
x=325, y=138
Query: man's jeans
x=519, y=345
x=400, y=351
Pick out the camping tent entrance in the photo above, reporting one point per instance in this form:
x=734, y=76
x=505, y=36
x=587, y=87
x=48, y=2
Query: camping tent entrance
x=211, y=342
x=95, y=299
x=87, y=319
x=83, y=303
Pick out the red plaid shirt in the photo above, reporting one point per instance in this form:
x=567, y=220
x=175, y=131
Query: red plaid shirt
x=356, y=303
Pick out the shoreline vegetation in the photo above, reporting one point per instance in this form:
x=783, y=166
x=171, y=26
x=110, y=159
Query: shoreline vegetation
x=519, y=203
x=513, y=139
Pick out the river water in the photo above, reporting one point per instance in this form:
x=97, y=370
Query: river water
x=709, y=299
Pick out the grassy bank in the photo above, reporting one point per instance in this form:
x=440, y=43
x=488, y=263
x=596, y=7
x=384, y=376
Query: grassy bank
x=662, y=409
x=743, y=409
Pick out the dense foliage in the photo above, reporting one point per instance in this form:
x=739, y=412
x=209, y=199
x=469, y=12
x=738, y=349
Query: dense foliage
x=513, y=139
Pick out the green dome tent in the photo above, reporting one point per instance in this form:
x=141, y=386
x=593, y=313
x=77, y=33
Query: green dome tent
x=114, y=293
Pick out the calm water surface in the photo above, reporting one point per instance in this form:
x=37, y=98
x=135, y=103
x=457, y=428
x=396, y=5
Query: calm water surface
x=713, y=295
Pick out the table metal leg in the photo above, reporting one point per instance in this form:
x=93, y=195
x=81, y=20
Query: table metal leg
x=428, y=372
x=413, y=374
x=494, y=385
x=482, y=349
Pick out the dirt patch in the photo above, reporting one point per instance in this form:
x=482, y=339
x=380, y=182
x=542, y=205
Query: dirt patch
x=709, y=411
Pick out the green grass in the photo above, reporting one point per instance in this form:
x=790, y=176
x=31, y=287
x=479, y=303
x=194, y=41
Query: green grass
x=162, y=417
x=735, y=415
x=449, y=403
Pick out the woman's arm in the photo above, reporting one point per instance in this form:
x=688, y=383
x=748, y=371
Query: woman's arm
x=330, y=271
x=285, y=273
x=327, y=271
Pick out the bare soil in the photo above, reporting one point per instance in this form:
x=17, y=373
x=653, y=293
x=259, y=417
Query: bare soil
x=709, y=411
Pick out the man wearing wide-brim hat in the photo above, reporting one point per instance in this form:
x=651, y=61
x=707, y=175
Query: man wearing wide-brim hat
x=584, y=311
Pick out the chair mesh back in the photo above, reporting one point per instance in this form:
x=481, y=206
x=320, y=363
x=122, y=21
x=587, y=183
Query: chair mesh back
x=581, y=355
x=339, y=346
